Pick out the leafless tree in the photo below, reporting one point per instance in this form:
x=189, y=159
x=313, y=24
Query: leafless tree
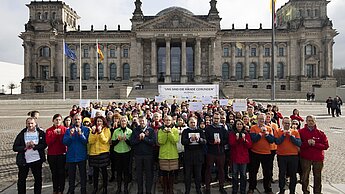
x=12, y=86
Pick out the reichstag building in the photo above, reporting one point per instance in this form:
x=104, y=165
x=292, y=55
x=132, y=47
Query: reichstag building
x=176, y=46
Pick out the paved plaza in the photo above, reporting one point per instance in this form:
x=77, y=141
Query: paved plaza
x=12, y=120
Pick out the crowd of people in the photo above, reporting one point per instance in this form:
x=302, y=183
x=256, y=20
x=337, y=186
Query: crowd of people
x=334, y=106
x=163, y=139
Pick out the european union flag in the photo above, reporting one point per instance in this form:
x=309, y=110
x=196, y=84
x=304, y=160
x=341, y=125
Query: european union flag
x=69, y=53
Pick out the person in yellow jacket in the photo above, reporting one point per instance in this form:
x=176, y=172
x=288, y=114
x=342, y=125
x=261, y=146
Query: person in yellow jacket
x=168, y=137
x=122, y=148
x=99, y=151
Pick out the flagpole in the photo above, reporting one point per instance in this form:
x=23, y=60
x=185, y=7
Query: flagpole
x=97, y=69
x=63, y=71
x=273, y=84
x=80, y=84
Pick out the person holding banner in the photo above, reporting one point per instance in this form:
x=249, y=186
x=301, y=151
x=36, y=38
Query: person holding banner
x=217, y=138
x=193, y=140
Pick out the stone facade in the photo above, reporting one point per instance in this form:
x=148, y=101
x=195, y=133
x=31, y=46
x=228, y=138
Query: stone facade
x=177, y=47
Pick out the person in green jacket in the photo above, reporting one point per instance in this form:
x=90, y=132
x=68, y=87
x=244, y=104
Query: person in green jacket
x=168, y=136
x=120, y=140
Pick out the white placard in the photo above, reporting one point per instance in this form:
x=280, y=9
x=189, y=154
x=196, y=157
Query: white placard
x=84, y=103
x=195, y=106
x=223, y=102
x=93, y=113
x=206, y=100
x=239, y=105
x=159, y=99
x=140, y=100
x=190, y=91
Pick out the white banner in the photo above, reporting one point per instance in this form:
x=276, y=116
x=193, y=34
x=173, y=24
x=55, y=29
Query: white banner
x=239, y=105
x=159, y=99
x=223, y=102
x=140, y=100
x=189, y=91
x=206, y=100
x=195, y=106
x=84, y=103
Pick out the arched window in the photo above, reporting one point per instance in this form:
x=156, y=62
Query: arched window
x=100, y=71
x=54, y=15
x=266, y=71
x=45, y=15
x=310, y=50
x=73, y=71
x=86, y=72
x=39, y=16
x=280, y=71
x=252, y=71
x=45, y=52
x=113, y=71
x=126, y=71
x=239, y=71
x=225, y=71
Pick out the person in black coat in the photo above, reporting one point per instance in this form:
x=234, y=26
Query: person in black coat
x=142, y=139
x=30, y=144
x=329, y=102
x=193, y=140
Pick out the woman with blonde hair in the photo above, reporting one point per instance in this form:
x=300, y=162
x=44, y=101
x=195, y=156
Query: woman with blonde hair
x=168, y=136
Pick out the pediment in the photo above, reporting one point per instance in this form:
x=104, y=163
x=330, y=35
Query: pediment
x=176, y=20
x=312, y=59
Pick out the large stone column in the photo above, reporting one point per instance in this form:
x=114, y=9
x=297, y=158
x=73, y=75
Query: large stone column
x=27, y=59
x=211, y=66
x=302, y=54
x=288, y=63
x=184, y=61
x=198, y=61
x=93, y=64
x=153, y=78
x=105, y=62
x=233, y=61
x=217, y=56
x=246, y=62
x=118, y=62
x=52, y=57
x=167, y=61
x=140, y=60
x=329, y=63
x=261, y=61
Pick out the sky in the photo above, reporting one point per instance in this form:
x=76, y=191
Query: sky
x=15, y=14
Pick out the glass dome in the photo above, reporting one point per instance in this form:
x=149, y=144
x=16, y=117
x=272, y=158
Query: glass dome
x=169, y=9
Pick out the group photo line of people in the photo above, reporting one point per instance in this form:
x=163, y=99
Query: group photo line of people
x=159, y=142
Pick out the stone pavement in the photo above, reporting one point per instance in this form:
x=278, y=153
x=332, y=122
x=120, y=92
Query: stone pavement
x=12, y=120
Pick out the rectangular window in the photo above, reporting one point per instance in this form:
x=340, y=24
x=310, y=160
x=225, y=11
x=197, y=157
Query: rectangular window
x=225, y=51
x=310, y=70
x=45, y=72
x=112, y=53
x=70, y=88
x=84, y=87
x=267, y=52
x=239, y=52
x=86, y=53
x=253, y=52
x=281, y=51
x=125, y=53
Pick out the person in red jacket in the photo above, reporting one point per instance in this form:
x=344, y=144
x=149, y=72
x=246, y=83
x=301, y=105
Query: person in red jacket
x=314, y=142
x=56, y=153
x=240, y=142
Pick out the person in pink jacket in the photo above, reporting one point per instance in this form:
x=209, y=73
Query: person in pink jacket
x=314, y=142
x=240, y=142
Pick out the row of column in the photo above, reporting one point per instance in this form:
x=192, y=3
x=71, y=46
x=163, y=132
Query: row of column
x=184, y=79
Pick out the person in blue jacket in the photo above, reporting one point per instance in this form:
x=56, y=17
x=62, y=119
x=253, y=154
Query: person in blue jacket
x=76, y=138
